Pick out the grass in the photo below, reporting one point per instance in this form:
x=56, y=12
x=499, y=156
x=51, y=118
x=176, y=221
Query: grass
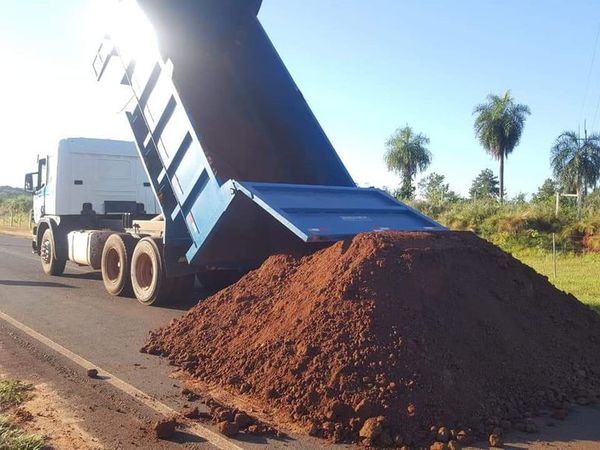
x=11, y=438
x=577, y=274
x=13, y=393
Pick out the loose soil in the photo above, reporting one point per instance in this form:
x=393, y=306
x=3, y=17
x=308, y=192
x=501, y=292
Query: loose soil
x=388, y=337
x=44, y=413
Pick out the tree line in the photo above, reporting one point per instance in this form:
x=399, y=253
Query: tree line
x=498, y=125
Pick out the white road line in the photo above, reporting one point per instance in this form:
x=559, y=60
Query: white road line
x=205, y=433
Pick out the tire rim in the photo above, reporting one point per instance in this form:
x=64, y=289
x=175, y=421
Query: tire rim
x=113, y=265
x=46, y=253
x=144, y=271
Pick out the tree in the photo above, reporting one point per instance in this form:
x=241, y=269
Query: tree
x=407, y=155
x=485, y=185
x=499, y=125
x=519, y=199
x=576, y=163
x=435, y=191
x=547, y=191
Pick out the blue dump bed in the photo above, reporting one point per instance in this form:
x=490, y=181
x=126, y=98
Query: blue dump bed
x=236, y=157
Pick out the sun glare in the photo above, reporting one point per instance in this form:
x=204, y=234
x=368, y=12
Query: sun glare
x=126, y=24
x=133, y=32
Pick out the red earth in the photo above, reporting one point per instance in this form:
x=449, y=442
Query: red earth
x=388, y=337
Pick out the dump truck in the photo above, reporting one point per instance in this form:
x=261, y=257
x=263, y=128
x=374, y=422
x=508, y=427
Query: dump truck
x=238, y=162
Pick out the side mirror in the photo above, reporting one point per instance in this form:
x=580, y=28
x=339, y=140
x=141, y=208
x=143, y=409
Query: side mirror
x=29, y=182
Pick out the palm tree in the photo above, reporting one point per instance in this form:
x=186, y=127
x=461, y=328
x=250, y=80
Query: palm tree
x=576, y=163
x=407, y=155
x=499, y=124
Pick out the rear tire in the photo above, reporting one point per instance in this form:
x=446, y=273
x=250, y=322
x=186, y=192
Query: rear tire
x=51, y=265
x=115, y=264
x=148, y=280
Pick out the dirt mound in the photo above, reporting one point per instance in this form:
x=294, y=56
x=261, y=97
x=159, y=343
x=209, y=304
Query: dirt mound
x=390, y=336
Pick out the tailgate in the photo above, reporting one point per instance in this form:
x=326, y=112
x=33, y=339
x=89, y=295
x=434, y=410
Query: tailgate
x=328, y=213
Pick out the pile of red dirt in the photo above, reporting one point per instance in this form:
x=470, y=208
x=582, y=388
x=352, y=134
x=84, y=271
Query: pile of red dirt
x=390, y=335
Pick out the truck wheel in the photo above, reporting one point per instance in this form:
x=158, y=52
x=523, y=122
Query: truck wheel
x=115, y=263
x=50, y=263
x=148, y=280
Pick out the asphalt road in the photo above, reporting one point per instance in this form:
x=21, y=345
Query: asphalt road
x=75, y=312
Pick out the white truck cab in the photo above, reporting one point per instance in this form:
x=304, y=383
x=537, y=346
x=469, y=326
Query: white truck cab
x=83, y=192
x=99, y=175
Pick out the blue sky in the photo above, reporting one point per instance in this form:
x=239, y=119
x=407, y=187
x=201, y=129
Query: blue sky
x=365, y=68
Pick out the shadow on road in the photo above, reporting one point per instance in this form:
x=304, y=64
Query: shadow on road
x=189, y=301
x=36, y=284
x=183, y=437
x=83, y=276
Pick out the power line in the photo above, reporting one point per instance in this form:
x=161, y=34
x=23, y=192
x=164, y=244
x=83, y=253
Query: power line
x=589, y=77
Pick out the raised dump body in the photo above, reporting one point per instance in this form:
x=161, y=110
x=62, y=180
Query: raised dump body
x=238, y=161
x=253, y=121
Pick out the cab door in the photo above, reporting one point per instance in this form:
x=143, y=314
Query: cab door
x=40, y=193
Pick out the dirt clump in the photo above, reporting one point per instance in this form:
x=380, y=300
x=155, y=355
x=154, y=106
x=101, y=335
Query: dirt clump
x=165, y=428
x=390, y=338
x=190, y=412
x=228, y=429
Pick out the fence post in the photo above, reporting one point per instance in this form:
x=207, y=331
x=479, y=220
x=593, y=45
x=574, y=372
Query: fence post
x=554, y=254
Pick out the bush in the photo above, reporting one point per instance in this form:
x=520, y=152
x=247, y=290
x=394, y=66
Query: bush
x=522, y=227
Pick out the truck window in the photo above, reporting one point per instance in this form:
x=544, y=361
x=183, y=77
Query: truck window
x=42, y=172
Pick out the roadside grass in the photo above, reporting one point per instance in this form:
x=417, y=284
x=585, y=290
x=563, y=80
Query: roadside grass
x=12, y=394
x=576, y=274
x=17, y=221
x=11, y=438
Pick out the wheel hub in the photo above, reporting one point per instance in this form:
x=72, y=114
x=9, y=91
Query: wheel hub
x=144, y=271
x=113, y=265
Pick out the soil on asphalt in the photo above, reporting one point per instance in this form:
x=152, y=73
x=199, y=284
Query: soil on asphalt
x=394, y=339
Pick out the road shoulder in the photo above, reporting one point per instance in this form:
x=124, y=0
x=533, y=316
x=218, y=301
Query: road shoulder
x=94, y=414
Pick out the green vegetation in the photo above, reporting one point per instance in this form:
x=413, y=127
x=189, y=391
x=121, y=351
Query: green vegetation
x=484, y=186
x=436, y=191
x=576, y=163
x=12, y=438
x=407, y=155
x=15, y=206
x=499, y=124
x=573, y=274
x=13, y=393
x=520, y=226
x=9, y=191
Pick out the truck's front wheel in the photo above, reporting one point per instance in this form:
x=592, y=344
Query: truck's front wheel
x=148, y=280
x=50, y=263
x=115, y=263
